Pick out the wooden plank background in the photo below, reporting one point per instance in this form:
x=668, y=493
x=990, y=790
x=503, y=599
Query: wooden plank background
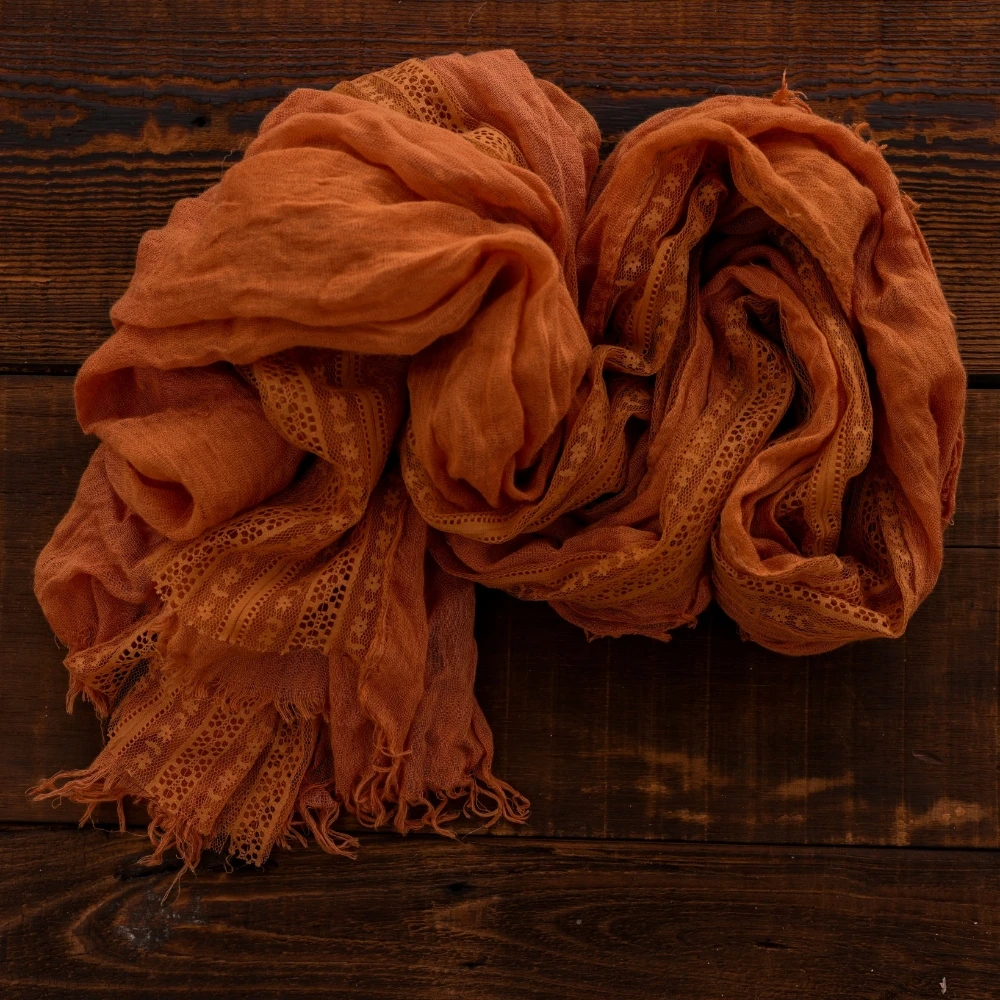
x=657, y=773
x=489, y=919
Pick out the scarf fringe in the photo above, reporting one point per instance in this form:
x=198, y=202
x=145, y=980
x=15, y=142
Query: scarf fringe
x=374, y=803
x=319, y=821
x=376, y=798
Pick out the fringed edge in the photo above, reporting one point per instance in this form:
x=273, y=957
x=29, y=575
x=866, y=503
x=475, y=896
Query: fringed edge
x=375, y=799
x=79, y=688
x=84, y=787
x=167, y=831
x=92, y=787
x=374, y=802
x=319, y=822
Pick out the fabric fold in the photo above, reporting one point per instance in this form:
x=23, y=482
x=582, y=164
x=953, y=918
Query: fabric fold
x=419, y=339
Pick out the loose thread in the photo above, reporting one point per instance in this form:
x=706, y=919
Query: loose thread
x=784, y=96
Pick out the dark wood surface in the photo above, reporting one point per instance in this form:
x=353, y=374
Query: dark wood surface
x=492, y=918
x=657, y=773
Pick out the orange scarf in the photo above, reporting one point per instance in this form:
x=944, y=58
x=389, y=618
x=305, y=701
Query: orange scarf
x=416, y=340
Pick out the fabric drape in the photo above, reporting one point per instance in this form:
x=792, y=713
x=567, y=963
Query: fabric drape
x=417, y=339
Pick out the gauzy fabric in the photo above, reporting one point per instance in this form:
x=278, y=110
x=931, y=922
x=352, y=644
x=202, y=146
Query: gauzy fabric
x=419, y=339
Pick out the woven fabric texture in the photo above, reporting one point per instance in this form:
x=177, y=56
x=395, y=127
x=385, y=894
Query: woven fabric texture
x=420, y=338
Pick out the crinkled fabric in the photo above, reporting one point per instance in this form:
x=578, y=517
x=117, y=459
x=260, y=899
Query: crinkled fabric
x=417, y=339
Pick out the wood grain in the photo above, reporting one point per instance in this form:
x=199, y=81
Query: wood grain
x=705, y=738
x=489, y=918
x=138, y=106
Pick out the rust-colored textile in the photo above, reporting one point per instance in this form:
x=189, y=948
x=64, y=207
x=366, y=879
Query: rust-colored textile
x=416, y=339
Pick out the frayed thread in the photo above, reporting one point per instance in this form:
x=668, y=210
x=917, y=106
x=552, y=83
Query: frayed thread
x=376, y=799
x=86, y=786
x=785, y=97
x=859, y=129
x=482, y=796
x=320, y=824
x=48, y=790
x=79, y=688
x=374, y=803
